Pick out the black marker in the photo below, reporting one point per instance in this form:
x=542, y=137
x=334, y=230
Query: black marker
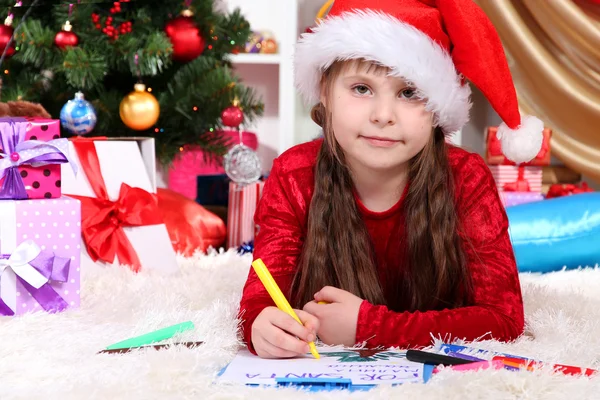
x=433, y=358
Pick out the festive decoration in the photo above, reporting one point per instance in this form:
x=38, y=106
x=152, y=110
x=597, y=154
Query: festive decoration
x=139, y=110
x=185, y=37
x=66, y=37
x=242, y=164
x=568, y=189
x=101, y=65
x=233, y=116
x=269, y=46
x=78, y=116
x=254, y=44
x=194, y=161
x=6, y=32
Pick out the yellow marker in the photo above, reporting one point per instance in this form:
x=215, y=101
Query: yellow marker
x=322, y=302
x=267, y=280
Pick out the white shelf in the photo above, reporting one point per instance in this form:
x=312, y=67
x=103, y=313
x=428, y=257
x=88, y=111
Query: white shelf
x=252, y=58
x=286, y=120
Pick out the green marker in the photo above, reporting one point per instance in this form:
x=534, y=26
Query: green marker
x=153, y=337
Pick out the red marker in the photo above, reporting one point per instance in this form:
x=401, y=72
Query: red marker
x=530, y=365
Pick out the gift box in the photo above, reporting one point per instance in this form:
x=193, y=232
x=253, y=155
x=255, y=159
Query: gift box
x=243, y=200
x=31, y=152
x=510, y=199
x=212, y=190
x=40, y=244
x=121, y=221
x=494, y=154
x=192, y=162
x=511, y=178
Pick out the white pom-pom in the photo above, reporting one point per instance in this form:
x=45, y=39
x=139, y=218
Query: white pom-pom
x=524, y=143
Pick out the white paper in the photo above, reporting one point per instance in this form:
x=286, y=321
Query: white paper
x=121, y=161
x=383, y=368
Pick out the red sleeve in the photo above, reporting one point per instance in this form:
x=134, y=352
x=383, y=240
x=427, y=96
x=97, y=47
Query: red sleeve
x=278, y=243
x=498, y=306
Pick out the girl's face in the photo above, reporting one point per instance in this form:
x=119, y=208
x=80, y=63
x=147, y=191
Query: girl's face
x=378, y=120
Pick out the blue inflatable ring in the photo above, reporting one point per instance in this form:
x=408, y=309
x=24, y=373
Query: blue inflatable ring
x=557, y=233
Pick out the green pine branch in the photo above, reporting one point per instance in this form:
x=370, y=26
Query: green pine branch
x=191, y=95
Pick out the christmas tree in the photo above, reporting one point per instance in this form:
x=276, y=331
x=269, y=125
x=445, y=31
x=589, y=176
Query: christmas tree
x=178, y=50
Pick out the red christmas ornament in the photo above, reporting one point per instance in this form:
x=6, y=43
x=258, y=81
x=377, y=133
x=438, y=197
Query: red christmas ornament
x=232, y=116
x=66, y=38
x=6, y=32
x=185, y=37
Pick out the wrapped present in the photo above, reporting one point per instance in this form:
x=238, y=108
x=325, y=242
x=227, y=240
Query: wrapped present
x=510, y=199
x=40, y=244
x=494, y=156
x=121, y=221
x=192, y=162
x=243, y=200
x=31, y=152
x=212, y=190
x=510, y=178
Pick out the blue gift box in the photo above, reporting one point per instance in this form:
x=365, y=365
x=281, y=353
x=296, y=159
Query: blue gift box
x=212, y=190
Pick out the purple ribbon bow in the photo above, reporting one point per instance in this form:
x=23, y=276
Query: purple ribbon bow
x=34, y=268
x=16, y=151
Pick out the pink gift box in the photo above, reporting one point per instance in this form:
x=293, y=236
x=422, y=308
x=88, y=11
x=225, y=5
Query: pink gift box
x=515, y=198
x=508, y=174
x=41, y=182
x=188, y=165
x=243, y=201
x=54, y=227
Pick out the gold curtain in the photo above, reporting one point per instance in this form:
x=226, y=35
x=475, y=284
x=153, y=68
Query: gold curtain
x=553, y=48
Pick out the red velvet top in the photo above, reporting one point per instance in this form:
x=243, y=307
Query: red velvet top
x=497, y=313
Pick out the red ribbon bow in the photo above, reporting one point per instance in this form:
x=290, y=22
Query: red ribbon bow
x=103, y=220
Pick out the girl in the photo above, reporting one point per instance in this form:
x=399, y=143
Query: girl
x=401, y=235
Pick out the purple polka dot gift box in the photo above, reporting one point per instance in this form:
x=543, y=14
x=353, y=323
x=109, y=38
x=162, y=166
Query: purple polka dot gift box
x=40, y=245
x=31, y=152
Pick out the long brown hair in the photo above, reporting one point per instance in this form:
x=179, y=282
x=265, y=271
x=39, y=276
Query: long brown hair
x=338, y=250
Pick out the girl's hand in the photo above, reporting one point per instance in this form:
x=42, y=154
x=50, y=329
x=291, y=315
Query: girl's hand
x=276, y=334
x=338, y=318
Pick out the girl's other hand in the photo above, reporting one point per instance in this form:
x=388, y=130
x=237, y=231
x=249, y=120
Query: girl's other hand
x=276, y=334
x=337, y=312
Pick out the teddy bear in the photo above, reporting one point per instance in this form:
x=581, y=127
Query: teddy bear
x=22, y=108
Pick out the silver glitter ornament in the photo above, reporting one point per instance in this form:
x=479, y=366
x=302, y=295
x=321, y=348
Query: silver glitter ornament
x=242, y=165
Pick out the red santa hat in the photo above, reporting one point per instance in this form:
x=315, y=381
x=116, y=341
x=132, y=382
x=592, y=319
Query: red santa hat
x=434, y=45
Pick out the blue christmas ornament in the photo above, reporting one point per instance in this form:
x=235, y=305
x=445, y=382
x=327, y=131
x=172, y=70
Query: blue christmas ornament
x=78, y=116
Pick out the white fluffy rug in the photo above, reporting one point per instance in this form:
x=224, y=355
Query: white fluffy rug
x=54, y=356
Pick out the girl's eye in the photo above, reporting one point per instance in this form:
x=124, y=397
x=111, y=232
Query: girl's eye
x=408, y=93
x=361, y=89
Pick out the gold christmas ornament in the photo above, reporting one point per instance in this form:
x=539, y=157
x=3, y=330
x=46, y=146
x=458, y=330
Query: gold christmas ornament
x=139, y=110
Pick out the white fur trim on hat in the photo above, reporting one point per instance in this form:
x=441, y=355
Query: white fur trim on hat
x=523, y=143
x=381, y=38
